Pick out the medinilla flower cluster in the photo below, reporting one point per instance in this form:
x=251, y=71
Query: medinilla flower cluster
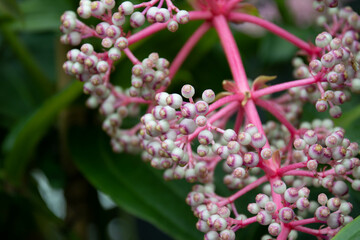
x=189, y=134
x=335, y=67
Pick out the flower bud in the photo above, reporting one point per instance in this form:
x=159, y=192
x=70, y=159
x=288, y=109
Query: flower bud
x=286, y=214
x=291, y=195
x=274, y=229
x=263, y=217
x=182, y=17
x=279, y=187
x=187, y=91
x=126, y=8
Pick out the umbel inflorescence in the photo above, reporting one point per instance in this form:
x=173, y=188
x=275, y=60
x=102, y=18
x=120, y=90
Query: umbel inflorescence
x=188, y=138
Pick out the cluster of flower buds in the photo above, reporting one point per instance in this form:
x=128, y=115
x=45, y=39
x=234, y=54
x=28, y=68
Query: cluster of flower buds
x=94, y=68
x=113, y=22
x=317, y=145
x=245, y=151
x=69, y=24
x=321, y=146
x=168, y=130
x=189, y=137
x=336, y=68
x=149, y=76
x=214, y=221
x=277, y=135
x=89, y=66
x=116, y=107
x=114, y=103
x=297, y=205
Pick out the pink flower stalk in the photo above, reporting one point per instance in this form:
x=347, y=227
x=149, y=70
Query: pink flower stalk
x=188, y=137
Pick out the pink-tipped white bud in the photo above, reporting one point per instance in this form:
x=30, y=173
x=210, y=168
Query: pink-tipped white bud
x=263, y=217
x=182, y=17
x=274, y=229
x=251, y=159
x=126, y=8
x=244, y=138
x=286, y=215
x=279, y=187
x=137, y=19
x=261, y=199
x=310, y=137
x=302, y=203
x=187, y=91
x=266, y=153
x=172, y=26
x=258, y=140
x=322, y=213
x=323, y=39
x=291, y=195
x=208, y=96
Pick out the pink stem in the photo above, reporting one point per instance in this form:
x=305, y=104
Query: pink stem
x=311, y=231
x=214, y=6
x=146, y=32
x=134, y=129
x=302, y=173
x=194, y=15
x=221, y=123
x=223, y=101
x=242, y=223
x=237, y=69
x=233, y=208
x=188, y=46
x=160, y=3
x=270, y=108
x=146, y=4
x=241, y=192
x=305, y=221
x=214, y=118
x=313, y=174
x=231, y=52
x=242, y=17
x=106, y=77
x=171, y=6
x=285, y=230
x=191, y=157
x=283, y=86
x=293, y=166
x=254, y=118
x=131, y=56
x=239, y=120
x=136, y=100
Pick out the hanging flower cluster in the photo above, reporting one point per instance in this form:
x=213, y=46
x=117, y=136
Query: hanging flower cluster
x=189, y=137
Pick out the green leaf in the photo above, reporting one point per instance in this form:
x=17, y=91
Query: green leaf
x=286, y=15
x=9, y=9
x=42, y=16
x=37, y=76
x=22, y=140
x=134, y=185
x=350, y=232
x=349, y=119
x=275, y=50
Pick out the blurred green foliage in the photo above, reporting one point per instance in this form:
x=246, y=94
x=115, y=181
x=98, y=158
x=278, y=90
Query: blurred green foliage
x=44, y=126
